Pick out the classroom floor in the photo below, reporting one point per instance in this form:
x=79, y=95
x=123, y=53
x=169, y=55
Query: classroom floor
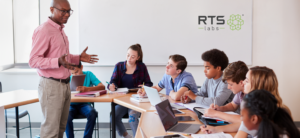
x=103, y=133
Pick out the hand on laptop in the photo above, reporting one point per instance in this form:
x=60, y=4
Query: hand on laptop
x=81, y=89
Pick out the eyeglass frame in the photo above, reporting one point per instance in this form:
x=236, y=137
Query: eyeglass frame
x=63, y=12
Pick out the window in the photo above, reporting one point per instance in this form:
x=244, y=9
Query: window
x=6, y=34
x=26, y=20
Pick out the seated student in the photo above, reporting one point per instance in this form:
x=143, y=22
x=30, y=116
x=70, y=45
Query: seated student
x=234, y=75
x=256, y=78
x=215, y=61
x=176, y=80
x=130, y=74
x=260, y=112
x=84, y=108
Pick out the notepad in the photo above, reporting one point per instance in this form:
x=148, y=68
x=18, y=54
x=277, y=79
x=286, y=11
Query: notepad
x=91, y=93
x=120, y=90
x=202, y=110
x=191, y=106
x=214, y=135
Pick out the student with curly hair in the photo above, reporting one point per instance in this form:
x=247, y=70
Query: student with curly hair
x=215, y=61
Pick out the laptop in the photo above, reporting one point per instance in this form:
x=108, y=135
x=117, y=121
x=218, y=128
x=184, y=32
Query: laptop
x=155, y=98
x=170, y=123
x=77, y=80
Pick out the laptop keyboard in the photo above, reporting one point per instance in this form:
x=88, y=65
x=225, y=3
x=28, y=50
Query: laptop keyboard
x=181, y=127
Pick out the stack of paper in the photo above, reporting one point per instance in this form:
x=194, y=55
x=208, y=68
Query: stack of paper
x=214, y=135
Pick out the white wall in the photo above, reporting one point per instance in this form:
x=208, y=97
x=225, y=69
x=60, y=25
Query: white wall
x=276, y=44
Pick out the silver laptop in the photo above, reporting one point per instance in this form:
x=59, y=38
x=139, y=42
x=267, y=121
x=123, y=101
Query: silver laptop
x=155, y=98
x=77, y=80
x=170, y=122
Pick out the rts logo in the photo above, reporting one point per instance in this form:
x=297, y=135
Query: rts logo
x=215, y=23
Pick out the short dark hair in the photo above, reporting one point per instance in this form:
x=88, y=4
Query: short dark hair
x=79, y=65
x=216, y=58
x=180, y=60
x=235, y=71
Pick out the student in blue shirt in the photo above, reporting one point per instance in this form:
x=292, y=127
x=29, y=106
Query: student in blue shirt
x=176, y=81
x=84, y=108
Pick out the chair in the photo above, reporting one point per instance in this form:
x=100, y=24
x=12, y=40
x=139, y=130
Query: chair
x=80, y=116
x=10, y=113
x=126, y=116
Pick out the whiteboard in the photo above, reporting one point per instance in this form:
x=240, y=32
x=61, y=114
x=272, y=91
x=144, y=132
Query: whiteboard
x=164, y=28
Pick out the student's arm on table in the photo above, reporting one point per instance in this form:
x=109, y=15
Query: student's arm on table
x=157, y=88
x=100, y=86
x=217, y=112
x=231, y=128
x=177, y=95
x=222, y=96
x=224, y=116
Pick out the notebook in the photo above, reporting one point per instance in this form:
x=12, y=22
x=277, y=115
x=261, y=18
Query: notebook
x=120, y=90
x=91, y=93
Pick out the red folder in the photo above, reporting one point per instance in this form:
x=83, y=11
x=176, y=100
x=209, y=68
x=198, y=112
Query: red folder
x=91, y=93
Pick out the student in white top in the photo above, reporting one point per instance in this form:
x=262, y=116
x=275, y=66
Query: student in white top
x=260, y=112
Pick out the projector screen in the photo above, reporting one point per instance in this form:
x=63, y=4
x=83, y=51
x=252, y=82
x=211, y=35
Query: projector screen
x=166, y=27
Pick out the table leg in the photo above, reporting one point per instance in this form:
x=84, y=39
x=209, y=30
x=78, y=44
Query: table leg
x=17, y=122
x=113, y=120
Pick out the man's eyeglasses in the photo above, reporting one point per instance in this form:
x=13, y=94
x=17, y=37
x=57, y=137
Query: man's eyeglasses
x=63, y=12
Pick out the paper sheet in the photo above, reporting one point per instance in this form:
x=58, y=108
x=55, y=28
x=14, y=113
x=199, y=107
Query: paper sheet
x=214, y=135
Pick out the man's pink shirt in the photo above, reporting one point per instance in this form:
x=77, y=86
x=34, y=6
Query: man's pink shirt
x=49, y=42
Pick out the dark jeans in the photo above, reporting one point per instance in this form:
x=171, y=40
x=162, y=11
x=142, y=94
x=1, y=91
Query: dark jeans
x=89, y=112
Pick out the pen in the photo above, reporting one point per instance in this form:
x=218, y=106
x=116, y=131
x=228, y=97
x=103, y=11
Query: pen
x=214, y=102
x=143, y=86
x=108, y=84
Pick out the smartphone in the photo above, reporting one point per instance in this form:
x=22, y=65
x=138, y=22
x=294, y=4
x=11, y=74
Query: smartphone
x=178, y=112
x=184, y=118
x=170, y=136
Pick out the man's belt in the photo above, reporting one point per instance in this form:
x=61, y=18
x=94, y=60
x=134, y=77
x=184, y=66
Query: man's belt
x=66, y=81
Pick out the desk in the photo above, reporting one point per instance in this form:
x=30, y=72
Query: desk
x=140, y=107
x=16, y=99
x=152, y=126
x=23, y=97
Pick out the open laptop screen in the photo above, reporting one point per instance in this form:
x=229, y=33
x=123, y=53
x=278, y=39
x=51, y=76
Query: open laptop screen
x=166, y=114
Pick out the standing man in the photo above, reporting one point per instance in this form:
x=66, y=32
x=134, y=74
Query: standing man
x=50, y=55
